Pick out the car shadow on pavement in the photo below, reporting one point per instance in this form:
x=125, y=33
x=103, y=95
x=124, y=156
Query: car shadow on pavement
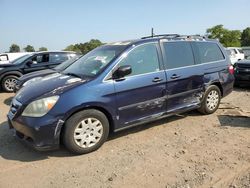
x=234, y=121
x=12, y=149
x=8, y=101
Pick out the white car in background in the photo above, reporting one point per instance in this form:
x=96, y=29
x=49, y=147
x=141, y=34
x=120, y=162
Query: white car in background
x=235, y=54
x=8, y=57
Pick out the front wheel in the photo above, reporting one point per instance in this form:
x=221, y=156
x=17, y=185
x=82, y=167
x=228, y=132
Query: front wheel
x=9, y=82
x=86, y=131
x=211, y=100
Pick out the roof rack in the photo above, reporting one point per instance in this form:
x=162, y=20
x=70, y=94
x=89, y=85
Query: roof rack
x=172, y=36
x=162, y=35
x=192, y=37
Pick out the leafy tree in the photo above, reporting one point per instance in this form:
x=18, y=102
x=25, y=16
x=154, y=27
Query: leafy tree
x=72, y=48
x=232, y=38
x=29, y=48
x=216, y=32
x=225, y=36
x=88, y=46
x=84, y=47
x=43, y=49
x=245, y=37
x=14, y=48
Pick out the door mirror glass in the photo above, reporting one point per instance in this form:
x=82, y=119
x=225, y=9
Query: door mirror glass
x=122, y=71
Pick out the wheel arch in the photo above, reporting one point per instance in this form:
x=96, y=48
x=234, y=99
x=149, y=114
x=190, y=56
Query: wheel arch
x=99, y=108
x=218, y=84
x=14, y=73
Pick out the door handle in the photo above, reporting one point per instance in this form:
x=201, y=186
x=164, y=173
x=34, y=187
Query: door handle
x=156, y=79
x=175, y=76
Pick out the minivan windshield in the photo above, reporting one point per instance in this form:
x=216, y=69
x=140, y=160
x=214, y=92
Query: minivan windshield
x=21, y=59
x=95, y=61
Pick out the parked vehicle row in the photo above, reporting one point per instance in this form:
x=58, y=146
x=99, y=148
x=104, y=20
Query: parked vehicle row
x=120, y=85
x=9, y=73
x=242, y=72
x=37, y=75
x=246, y=51
x=241, y=66
x=8, y=57
x=235, y=54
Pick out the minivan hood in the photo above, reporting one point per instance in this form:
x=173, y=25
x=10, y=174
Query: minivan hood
x=53, y=84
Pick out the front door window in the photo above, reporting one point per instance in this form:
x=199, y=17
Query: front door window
x=143, y=59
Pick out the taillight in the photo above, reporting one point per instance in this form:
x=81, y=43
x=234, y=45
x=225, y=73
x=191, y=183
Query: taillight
x=231, y=69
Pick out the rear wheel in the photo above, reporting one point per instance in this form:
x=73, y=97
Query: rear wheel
x=211, y=100
x=9, y=82
x=86, y=131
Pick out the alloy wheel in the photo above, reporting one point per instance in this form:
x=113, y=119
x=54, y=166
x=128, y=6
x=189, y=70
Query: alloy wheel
x=212, y=100
x=10, y=84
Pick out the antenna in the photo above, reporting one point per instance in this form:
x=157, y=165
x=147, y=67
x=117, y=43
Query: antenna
x=152, y=32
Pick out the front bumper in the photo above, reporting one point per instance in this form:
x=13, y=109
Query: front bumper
x=40, y=133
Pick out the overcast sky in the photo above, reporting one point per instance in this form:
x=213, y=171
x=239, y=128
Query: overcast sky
x=57, y=23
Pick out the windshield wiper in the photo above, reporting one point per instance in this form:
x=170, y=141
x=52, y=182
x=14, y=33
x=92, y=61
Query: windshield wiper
x=73, y=74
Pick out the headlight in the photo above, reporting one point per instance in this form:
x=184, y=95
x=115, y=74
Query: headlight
x=31, y=80
x=1, y=68
x=40, y=107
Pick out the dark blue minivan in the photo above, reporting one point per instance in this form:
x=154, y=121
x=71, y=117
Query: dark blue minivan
x=120, y=85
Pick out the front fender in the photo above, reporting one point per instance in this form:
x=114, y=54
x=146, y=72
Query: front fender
x=16, y=73
x=94, y=105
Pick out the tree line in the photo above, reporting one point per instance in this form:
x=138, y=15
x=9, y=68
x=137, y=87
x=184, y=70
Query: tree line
x=235, y=38
x=82, y=48
x=28, y=48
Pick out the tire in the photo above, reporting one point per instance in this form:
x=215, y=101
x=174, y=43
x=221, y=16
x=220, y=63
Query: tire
x=211, y=100
x=8, y=83
x=85, y=131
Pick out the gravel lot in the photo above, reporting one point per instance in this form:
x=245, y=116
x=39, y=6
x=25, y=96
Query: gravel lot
x=190, y=150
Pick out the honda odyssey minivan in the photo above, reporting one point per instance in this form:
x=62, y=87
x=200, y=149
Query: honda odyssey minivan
x=120, y=85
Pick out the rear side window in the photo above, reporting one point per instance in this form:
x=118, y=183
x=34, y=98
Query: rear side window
x=58, y=57
x=178, y=54
x=206, y=52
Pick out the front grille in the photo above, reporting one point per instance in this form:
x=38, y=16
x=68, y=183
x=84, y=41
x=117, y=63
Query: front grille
x=15, y=106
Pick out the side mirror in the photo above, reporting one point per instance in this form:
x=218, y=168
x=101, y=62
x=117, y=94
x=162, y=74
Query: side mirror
x=29, y=63
x=122, y=71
